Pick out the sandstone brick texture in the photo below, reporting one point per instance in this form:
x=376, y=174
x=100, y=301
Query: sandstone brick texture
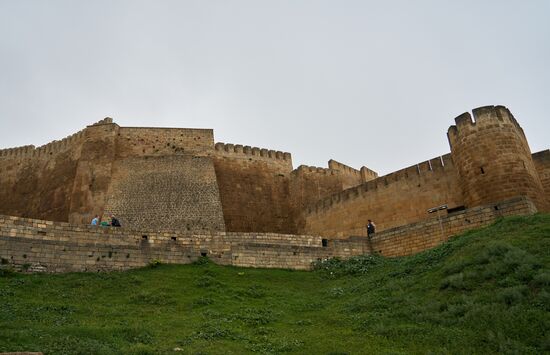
x=310, y=184
x=396, y=199
x=166, y=192
x=97, y=154
x=350, y=176
x=138, y=141
x=254, y=188
x=38, y=182
x=417, y=237
x=493, y=158
x=542, y=164
x=46, y=246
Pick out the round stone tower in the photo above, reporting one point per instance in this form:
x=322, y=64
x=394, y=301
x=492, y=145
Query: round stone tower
x=493, y=158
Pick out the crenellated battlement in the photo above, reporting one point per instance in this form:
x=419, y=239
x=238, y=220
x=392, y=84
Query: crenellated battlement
x=54, y=147
x=493, y=158
x=238, y=149
x=17, y=151
x=442, y=164
x=106, y=120
x=313, y=169
x=482, y=118
x=336, y=165
x=368, y=174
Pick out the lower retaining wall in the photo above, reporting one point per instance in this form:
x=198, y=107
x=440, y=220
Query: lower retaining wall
x=416, y=237
x=46, y=246
x=37, y=245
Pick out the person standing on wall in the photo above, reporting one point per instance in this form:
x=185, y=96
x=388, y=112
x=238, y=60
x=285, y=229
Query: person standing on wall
x=371, y=229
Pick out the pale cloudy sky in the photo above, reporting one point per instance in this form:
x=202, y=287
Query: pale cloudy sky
x=373, y=83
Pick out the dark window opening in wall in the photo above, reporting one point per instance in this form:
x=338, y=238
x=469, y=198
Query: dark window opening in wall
x=455, y=209
x=203, y=253
x=144, y=237
x=324, y=242
x=482, y=171
x=174, y=238
x=496, y=208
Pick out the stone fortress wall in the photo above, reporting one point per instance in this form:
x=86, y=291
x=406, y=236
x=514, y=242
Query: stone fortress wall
x=542, y=164
x=490, y=161
x=47, y=246
x=392, y=200
x=38, y=181
x=254, y=188
x=179, y=179
x=493, y=158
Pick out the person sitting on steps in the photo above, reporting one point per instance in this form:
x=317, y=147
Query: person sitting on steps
x=114, y=221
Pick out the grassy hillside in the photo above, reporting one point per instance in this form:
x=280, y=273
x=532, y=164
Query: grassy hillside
x=486, y=291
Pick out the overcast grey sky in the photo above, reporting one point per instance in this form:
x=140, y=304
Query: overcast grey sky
x=373, y=83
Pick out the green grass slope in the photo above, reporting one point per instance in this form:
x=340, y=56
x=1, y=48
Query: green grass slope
x=487, y=291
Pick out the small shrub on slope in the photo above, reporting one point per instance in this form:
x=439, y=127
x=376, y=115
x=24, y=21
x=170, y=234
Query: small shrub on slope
x=356, y=265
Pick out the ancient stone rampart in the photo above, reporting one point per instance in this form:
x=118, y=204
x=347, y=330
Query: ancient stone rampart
x=247, y=152
x=147, y=141
x=493, y=158
x=542, y=164
x=38, y=182
x=254, y=188
x=368, y=174
x=46, y=246
x=45, y=151
x=392, y=200
x=165, y=192
x=416, y=237
x=351, y=177
x=106, y=168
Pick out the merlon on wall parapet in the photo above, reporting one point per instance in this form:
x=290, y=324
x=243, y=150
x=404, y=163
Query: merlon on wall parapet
x=336, y=165
x=106, y=120
x=239, y=149
x=56, y=146
x=313, y=169
x=485, y=115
